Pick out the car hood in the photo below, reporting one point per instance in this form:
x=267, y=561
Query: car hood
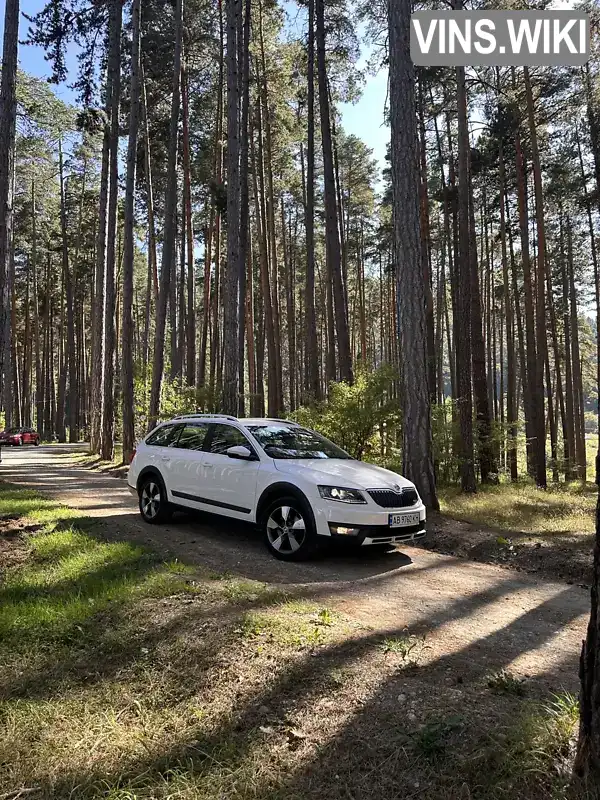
x=342, y=472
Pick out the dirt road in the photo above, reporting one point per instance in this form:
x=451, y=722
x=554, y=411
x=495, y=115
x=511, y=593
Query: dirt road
x=477, y=618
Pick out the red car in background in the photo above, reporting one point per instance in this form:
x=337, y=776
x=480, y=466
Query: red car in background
x=19, y=436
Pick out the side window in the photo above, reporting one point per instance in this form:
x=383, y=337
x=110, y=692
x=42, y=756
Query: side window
x=226, y=436
x=192, y=437
x=164, y=436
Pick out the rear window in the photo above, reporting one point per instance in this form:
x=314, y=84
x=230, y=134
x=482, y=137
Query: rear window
x=192, y=437
x=164, y=436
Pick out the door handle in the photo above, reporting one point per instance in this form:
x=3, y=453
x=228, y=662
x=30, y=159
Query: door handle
x=165, y=458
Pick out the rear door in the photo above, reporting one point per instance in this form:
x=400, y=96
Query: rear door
x=159, y=450
x=188, y=470
x=230, y=484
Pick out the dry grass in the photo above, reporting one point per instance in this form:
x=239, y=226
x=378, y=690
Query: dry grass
x=524, y=508
x=127, y=678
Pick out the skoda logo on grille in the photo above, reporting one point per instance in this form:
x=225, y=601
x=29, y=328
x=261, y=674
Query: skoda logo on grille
x=396, y=487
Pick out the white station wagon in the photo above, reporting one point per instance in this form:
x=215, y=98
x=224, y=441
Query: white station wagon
x=299, y=487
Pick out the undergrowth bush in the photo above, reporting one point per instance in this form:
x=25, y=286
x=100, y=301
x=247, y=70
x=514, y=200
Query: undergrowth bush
x=362, y=418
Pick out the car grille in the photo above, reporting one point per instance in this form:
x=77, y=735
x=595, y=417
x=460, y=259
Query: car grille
x=388, y=498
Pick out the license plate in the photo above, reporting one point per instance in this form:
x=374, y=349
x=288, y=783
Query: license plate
x=403, y=520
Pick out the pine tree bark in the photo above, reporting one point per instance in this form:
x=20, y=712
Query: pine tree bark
x=538, y=375
x=463, y=294
x=483, y=403
x=332, y=231
x=190, y=328
x=107, y=429
x=244, y=59
x=511, y=372
x=170, y=235
x=312, y=385
x=231, y=311
x=587, y=760
x=8, y=118
x=68, y=287
x=127, y=329
x=412, y=323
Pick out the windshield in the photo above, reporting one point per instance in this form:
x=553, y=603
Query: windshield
x=280, y=441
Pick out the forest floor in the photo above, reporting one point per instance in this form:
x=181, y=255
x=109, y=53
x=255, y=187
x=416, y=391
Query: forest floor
x=184, y=662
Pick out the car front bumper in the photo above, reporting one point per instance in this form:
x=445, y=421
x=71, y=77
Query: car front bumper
x=370, y=524
x=382, y=534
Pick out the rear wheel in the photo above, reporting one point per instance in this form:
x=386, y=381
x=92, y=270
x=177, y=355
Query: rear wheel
x=154, y=507
x=37, y=442
x=20, y=442
x=289, y=529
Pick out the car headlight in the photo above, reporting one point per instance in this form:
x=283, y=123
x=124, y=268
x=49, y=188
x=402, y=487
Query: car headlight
x=341, y=495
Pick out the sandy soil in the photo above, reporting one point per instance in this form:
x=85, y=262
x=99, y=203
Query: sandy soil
x=477, y=617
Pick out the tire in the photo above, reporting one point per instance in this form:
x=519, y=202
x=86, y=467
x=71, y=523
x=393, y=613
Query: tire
x=154, y=507
x=37, y=443
x=20, y=443
x=289, y=529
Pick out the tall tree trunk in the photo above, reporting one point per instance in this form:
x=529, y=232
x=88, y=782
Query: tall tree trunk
x=128, y=246
x=68, y=287
x=530, y=402
x=587, y=760
x=412, y=322
x=332, y=233
x=426, y=249
x=39, y=384
x=169, y=245
x=107, y=436
x=538, y=376
x=578, y=400
x=8, y=118
x=464, y=283
x=312, y=385
x=231, y=311
x=265, y=281
x=244, y=59
x=487, y=463
x=511, y=372
x=190, y=328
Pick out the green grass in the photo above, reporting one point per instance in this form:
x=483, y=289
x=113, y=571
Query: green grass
x=125, y=677
x=522, y=507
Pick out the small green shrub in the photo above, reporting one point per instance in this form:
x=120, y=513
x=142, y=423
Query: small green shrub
x=356, y=416
x=504, y=682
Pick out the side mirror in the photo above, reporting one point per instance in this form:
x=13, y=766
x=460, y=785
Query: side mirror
x=241, y=452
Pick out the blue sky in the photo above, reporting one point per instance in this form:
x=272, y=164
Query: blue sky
x=364, y=119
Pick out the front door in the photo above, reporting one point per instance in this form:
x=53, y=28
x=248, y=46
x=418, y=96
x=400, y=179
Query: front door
x=230, y=485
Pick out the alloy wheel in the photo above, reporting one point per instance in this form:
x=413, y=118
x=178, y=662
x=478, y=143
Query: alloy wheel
x=286, y=530
x=150, y=500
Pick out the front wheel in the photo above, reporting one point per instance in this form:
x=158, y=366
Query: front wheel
x=20, y=442
x=289, y=530
x=154, y=507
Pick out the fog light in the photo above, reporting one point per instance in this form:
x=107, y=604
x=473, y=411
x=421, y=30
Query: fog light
x=342, y=530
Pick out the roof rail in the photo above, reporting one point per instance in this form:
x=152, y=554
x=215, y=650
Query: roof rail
x=287, y=421
x=206, y=416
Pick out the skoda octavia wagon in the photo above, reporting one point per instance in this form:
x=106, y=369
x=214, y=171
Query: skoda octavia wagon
x=296, y=485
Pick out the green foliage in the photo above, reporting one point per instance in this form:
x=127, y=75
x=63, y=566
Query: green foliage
x=354, y=414
x=409, y=647
x=444, y=431
x=433, y=740
x=176, y=398
x=505, y=682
